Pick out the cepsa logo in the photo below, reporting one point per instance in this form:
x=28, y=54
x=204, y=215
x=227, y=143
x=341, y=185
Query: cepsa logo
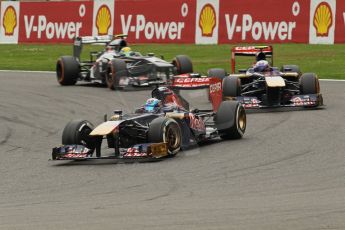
x=215, y=87
x=40, y=27
x=323, y=19
x=9, y=20
x=250, y=28
x=103, y=20
x=207, y=20
x=142, y=27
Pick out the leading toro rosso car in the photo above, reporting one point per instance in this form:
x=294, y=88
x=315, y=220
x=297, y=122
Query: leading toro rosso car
x=117, y=66
x=160, y=128
x=262, y=85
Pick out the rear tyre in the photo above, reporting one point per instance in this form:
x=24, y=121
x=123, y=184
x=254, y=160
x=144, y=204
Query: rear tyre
x=166, y=130
x=116, y=70
x=217, y=72
x=291, y=68
x=309, y=84
x=76, y=132
x=231, y=87
x=231, y=120
x=183, y=64
x=67, y=70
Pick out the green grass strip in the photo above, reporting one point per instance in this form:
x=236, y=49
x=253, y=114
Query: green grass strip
x=327, y=61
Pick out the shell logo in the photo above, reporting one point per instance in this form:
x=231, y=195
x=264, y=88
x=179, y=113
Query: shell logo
x=103, y=20
x=9, y=20
x=323, y=19
x=207, y=20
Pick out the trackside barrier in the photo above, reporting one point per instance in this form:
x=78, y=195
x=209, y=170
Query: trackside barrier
x=175, y=21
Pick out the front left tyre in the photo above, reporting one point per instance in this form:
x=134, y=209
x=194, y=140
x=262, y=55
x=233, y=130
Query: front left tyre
x=231, y=87
x=309, y=84
x=67, y=70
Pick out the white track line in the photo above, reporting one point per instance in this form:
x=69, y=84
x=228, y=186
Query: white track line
x=331, y=80
x=25, y=71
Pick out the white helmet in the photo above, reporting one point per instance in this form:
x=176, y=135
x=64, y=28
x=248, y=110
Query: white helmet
x=261, y=66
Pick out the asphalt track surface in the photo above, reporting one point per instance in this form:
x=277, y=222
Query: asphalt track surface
x=288, y=172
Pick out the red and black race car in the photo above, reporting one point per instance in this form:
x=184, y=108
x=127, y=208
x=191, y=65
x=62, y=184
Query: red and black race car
x=262, y=85
x=156, y=131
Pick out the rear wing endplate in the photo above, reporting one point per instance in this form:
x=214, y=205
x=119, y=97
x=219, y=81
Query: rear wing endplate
x=214, y=85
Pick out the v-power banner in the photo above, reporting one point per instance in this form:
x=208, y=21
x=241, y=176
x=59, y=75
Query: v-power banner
x=176, y=21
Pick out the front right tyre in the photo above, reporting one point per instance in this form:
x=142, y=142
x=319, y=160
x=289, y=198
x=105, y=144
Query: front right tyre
x=76, y=132
x=166, y=130
x=117, y=69
x=231, y=120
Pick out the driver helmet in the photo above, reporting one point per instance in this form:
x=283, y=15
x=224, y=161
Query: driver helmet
x=126, y=51
x=116, y=45
x=152, y=105
x=112, y=46
x=161, y=92
x=261, y=66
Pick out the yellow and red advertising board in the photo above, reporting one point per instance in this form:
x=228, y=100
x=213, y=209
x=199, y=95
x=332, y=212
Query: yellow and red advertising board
x=175, y=21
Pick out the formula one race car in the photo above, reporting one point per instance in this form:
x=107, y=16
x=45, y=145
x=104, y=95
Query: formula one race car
x=160, y=128
x=117, y=66
x=265, y=86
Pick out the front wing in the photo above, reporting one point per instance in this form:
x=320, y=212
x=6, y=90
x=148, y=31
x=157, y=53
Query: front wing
x=139, y=151
x=307, y=100
x=139, y=81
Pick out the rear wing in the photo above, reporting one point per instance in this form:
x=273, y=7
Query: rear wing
x=261, y=52
x=79, y=41
x=190, y=82
x=104, y=39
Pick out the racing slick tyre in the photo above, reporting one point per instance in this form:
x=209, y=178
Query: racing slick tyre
x=166, y=130
x=231, y=120
x=231, y=87
x=76, y=132
x=183, y=64
x=291, y=68
x=67, y=70
x=116, y=70
x=216, y=72
x=309, y=84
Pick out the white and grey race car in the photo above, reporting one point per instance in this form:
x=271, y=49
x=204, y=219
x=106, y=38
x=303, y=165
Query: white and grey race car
x=115, y=68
